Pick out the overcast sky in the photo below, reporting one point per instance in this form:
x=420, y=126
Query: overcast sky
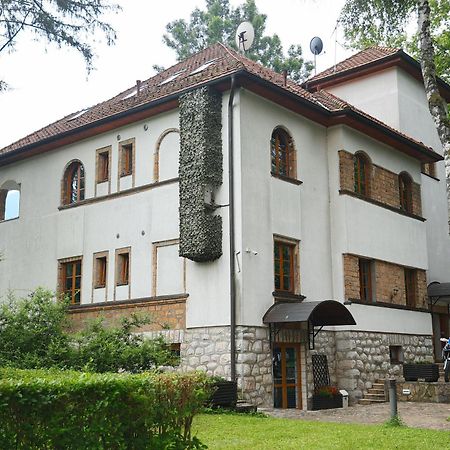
x=48, y=82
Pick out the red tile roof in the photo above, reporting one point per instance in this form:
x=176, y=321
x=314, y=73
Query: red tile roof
x=362, y=58
x=180, y=78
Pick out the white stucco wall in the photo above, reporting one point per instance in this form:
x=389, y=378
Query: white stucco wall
x=273, y=206
x=398, y=99
x=32, y=244
x=361, y=228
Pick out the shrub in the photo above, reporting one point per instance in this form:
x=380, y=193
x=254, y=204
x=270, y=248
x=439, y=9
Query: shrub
x=33, y=335
x=32, y=331
x=108, y=349
x=71, y=410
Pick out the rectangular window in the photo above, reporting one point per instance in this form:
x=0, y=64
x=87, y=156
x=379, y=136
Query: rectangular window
x=396, y=354
x=100, y=270
x=126, y=158
x=122, y=267
x=410, y=287
x=103, y=165
x=284, y=256
x=365, y=280
x=429, y=169
x=71, y=280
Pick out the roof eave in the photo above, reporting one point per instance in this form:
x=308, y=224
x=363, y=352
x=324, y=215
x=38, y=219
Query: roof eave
x=381, y=133
x=108, y=123
x=399, y=58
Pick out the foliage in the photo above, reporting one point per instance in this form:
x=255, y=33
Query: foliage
x=395, y=421
x=218, y=23
x=385, y=22
x=108, y=349
x=32, y=331
x=33, y=334
x=51, y=409
x=69, y=23
x=232, y=431
x=327, y=391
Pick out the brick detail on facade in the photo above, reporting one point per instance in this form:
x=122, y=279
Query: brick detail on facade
x=383, y=184
x=389, y=282
x=164, y=314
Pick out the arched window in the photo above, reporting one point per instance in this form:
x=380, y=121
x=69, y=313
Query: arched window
x=9, y=200
x=405, y=192
x=73, y=183
x=362, y=171
x=282, y=154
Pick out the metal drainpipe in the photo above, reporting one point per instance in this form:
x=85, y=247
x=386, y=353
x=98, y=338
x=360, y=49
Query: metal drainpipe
x=231, y=226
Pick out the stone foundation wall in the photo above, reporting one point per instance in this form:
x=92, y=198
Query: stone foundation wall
x=363, y=357
x=325, y=344
x=208, y=349
x=424, y=392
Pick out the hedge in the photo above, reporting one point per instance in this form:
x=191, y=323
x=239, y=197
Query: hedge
x=49, y=409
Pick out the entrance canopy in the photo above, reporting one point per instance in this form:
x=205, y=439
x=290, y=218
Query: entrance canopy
x=439, y=292
x=318, y=314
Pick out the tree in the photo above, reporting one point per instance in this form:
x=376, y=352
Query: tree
x=368, y=22
x=218, y=23
x=64, y=22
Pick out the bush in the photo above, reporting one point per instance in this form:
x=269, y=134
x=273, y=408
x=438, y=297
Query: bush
x=33, y=335
x=71, y=410
x=32, y=331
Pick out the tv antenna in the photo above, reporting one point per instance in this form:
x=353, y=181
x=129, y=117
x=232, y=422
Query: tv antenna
x=316, y=47
x=245, y=35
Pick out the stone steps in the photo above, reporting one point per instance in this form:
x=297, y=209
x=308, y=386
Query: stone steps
x=244, y=407
x=374, y=395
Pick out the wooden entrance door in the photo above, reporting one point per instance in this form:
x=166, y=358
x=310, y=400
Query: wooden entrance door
x=287, y=386
x=444, y=328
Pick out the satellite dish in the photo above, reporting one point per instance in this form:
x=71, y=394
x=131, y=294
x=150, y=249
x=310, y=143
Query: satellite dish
x=245, y=34
x=316, y=45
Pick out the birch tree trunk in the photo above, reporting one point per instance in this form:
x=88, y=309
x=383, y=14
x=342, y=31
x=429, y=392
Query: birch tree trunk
x=436, y=104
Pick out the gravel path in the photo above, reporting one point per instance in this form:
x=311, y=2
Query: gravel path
x=417, y=415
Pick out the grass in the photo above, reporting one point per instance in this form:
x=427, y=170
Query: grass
x=238, y=431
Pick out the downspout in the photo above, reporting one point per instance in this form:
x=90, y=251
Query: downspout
x=231, y=226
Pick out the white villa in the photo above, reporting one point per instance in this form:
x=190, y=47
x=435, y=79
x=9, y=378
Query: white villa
x=244, y=213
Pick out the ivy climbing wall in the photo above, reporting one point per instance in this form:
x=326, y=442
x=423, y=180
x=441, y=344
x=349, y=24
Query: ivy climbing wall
x=200, y=173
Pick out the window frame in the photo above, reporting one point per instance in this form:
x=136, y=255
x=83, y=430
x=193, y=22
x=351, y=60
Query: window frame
x=63, y=277
x=68, y=180
x=127, y=151
x=361, y=174
x=294, y=270
x=123, y=267
x=6, y=189
x=103, y=165
x=290, y=154
x=366, y=285
x=405, y=184
x=410, y=280
x=100, y=272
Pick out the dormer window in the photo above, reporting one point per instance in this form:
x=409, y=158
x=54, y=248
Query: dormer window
x=73, y=183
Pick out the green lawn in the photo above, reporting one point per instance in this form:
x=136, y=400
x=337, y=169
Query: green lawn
x=233, y=431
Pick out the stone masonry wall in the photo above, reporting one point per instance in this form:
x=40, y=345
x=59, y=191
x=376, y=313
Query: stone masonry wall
x=363, y=357
x=208, y=349
x=383, y=184
x=325, y=344
x=389, y=282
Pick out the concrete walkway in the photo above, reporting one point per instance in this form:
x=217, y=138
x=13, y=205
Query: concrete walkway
x=417, y=415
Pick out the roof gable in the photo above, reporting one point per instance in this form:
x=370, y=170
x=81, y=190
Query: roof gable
x=368, y=61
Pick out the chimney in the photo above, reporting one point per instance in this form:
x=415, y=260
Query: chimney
x=284, y=77
x=138, y=87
